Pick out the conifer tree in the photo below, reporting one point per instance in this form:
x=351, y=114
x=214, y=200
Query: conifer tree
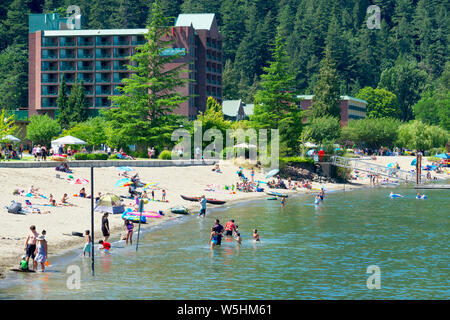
x=326, y=91
x=275, y=103
x=62, y=104
x=143, y=113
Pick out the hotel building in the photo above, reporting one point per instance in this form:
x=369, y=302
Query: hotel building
x=98, y=59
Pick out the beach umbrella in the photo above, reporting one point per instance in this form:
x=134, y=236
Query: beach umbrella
x=127, y=184
x=413, y=163
x=442, y=156
x=10, y=138
x=271, y=173
x=79, y=181
x=110, y=203
x=125, y=169
x=121, y=182
x=150, y=185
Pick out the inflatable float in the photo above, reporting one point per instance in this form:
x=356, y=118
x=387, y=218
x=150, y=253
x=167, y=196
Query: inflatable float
x=179, y=210
x=133, y=218
x=272, y=198
x=208, y=200
x=421, y=197
x=277, y=194
x=394, y=195
x=147, y=214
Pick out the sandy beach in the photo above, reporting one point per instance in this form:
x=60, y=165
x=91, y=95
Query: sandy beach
x=62, y=220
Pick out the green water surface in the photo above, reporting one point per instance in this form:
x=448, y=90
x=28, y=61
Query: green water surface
x=306, y=252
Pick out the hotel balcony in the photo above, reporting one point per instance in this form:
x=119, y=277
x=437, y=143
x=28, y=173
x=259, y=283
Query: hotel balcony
x=103, y=41
x=49, y=78
x=46, y=66
x=67, y=42
x=49, y=42
x=49, y=90
x=85, y=42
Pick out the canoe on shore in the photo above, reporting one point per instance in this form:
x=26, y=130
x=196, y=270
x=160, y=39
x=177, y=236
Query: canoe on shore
x=208, y=200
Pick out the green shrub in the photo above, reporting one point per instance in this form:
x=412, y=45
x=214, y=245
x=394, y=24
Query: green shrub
x=80, y=156
x=297, y=160
x=113, y=157
x=139, y=154
x=435, y=151
x=165, y=155
x=91, y=156
x=101, y=156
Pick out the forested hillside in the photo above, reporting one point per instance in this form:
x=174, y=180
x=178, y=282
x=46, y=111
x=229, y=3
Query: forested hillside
x=410, y=49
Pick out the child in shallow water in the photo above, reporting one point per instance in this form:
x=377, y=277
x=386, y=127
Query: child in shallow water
x=213, y=238
x=255, y=235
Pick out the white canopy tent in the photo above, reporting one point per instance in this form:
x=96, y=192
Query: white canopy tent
x=10, y=138
x=310, y=145
x=66, y=140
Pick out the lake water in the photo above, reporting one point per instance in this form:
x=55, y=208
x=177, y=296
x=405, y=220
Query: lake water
x=306, y=252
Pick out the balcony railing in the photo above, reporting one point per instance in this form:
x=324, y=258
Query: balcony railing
x=121, y=42
x=103, y=80
x=47, y=92
x=49, y=43
x=49, y=80
x=49, y=68
x=66, y=68
x=120, y=67
x=48, y=104
x=85, y=55
x=138, y=42
x=49, y=56
x=85, y=80
x=82, y=43
x=67, y=43
x=103, y=54
x=121, y=54
x=103, y=42
x=103, y=92
x=85, y=68
x=102, y=67
x=63, y=55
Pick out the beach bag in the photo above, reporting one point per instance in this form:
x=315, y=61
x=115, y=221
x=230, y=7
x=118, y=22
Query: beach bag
x=15, y=207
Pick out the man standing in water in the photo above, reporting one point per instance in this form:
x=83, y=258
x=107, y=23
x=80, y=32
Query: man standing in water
x=219, y=229
x=203, y=208
x=230, y=227
x=30, y=246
